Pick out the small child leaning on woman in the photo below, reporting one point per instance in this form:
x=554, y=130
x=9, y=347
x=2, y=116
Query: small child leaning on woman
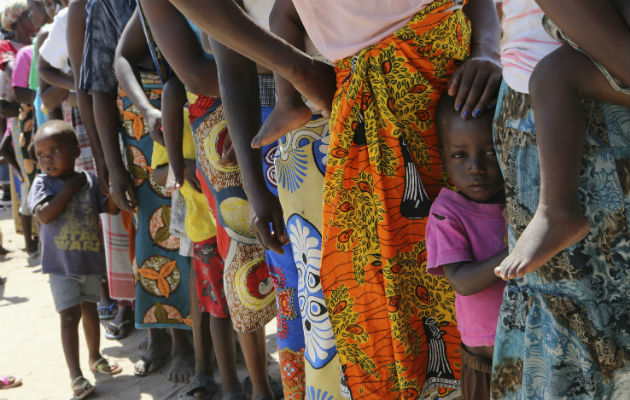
x=67, y=204
x=466, y=238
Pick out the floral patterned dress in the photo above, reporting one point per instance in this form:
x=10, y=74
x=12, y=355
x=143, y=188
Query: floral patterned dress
x=564, y=330
x=394, y=324
x=162, y=274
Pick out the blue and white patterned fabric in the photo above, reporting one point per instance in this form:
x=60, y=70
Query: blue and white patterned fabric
x=564, y=330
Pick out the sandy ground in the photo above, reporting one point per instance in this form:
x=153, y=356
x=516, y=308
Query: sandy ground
x=30, y=346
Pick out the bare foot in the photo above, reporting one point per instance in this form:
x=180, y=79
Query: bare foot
x=180, y=368
x=548, y=233
x=156, y=353
x=284, y=118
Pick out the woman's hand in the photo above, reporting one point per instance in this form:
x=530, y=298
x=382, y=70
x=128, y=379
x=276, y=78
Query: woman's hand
x=190, y=174
x=265, y=219
x=153, y=121
x=123, y=190
x=475, y=85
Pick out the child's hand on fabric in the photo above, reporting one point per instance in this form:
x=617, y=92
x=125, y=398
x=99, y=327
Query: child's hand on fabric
x=228, y=157
x=177, y=174
x=153, y=121
x=77, y=181
x=475, y=85
x=123, y=190
x=174, y=177
x=190, y=174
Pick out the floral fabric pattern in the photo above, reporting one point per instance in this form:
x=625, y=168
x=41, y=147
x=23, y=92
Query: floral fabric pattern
x=300, y=167
x=249, y=289
x=564, y=330
x=162, y=274
x=394, y=324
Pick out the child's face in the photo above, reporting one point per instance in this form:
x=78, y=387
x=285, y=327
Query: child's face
x=55, y=157
x=469, y=158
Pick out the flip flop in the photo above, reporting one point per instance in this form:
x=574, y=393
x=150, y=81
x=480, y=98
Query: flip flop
x=199, y=383
x=106, y=312
x=81, y=387
x=119, y=331
x=105, y=367
x=7, y=382
x=146, y=366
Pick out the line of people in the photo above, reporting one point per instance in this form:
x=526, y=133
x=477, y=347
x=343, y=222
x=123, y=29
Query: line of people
x=355, y=169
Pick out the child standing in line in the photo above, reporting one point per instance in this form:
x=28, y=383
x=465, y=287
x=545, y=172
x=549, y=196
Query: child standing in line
x=67, y=204
x=466, y=235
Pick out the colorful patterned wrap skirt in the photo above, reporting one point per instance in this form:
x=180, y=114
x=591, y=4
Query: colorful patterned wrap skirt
x=162, y=275
x=564, y=330
x=248, y=287
x=209, y=270
x=300, y=166
x=394, y=324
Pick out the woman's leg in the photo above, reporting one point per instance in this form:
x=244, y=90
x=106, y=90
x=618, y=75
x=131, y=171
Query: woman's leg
x=181, y=367
x=224, y=350
x=557, y=86
x=255, y=353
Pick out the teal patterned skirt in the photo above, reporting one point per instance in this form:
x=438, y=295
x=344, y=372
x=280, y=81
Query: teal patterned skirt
x=564, y=330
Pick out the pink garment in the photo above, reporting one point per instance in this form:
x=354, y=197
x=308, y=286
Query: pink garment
x=524, y=42
x=341, y=28
x=22, y=67
x=459, y=230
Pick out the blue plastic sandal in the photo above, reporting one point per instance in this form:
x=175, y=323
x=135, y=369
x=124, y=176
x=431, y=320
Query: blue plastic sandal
x=107, y=312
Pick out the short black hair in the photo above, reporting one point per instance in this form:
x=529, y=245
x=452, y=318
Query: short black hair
x=445, y=114
x=60, y=128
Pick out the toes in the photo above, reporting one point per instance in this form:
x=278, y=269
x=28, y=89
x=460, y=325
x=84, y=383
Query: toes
x=513, y=270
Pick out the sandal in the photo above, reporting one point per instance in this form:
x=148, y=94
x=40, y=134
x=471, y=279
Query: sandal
x=105, y=367
x=7, y=382
x=199, y=383
x=81, y=387
x=119, y=331
x=107, y=312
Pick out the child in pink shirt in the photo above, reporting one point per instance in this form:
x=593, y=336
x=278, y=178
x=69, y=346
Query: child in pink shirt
x=466, y=239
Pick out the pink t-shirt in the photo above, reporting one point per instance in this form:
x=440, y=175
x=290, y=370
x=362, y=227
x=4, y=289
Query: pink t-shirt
x=22, y=67
x=459, y=230
x=341, y=28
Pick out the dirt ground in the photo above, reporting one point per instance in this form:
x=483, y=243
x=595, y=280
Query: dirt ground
x=30, y=346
